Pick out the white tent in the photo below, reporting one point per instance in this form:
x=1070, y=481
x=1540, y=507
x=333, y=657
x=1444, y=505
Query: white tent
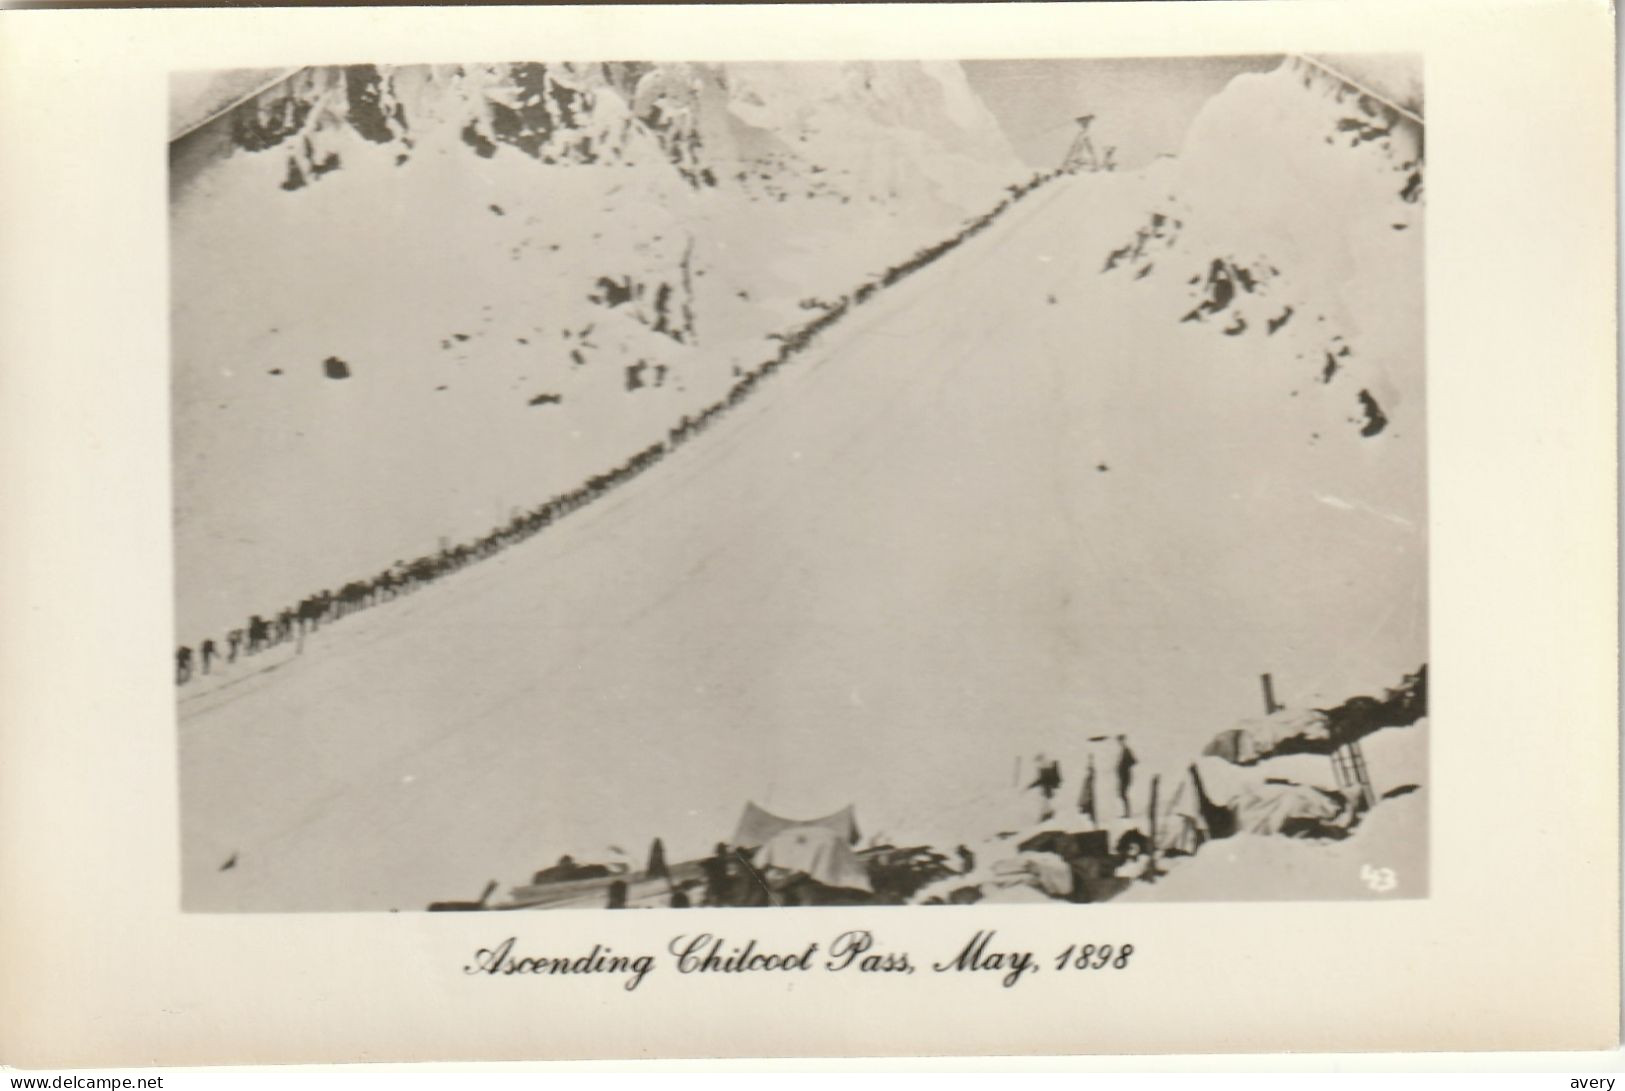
x=819, y=852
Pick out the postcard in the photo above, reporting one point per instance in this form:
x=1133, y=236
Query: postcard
x=570, y=533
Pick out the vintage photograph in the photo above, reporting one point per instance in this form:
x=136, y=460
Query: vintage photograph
x=930, y=483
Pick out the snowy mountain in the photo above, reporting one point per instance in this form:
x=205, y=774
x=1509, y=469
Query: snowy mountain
x=1090, y=469
x=410, y=300
x=1318, y=250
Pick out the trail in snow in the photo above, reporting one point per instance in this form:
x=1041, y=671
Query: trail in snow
x=895, y=569
x=1010, y=503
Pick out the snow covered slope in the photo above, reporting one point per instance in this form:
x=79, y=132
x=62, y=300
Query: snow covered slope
x=1092, y=471
x=524, y=271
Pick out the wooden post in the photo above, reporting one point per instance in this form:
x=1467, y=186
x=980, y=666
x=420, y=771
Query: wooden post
x=1271, y=707
x=1151, y=823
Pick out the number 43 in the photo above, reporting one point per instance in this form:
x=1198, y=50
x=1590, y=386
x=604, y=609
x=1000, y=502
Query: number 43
x=1379, y=878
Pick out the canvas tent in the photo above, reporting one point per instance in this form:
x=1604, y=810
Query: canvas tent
x=1182, y=818
x=819, y=852
x=758, y=827
x=1203, y=805
x=1272, y=808
x=1290, y=731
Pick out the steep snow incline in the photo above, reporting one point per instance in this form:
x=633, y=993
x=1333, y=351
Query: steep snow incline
x=526, y=271
x=1011, y=502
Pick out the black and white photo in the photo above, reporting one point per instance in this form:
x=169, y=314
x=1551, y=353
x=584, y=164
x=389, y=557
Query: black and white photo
x=652, y=485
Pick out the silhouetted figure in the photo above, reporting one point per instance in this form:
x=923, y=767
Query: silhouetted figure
x=656, y=867
x=183, y=665
x=235, y=640
x=1047, y=782
x=715, y=870
x=1086, y=793
x=1125, y=772
x=309, y=615
x=207, y=654
x=617, y=895
x=967, y=860
x=259, y=634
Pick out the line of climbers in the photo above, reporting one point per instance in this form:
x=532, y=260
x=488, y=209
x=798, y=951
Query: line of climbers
x=294, y=622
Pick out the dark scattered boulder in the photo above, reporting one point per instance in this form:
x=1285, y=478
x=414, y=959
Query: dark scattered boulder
x=364, y=94
x=325, y=165
x=334, y=368
x=612, y=293
x=477, y=140
x=258, y=126
x=1375, y=419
